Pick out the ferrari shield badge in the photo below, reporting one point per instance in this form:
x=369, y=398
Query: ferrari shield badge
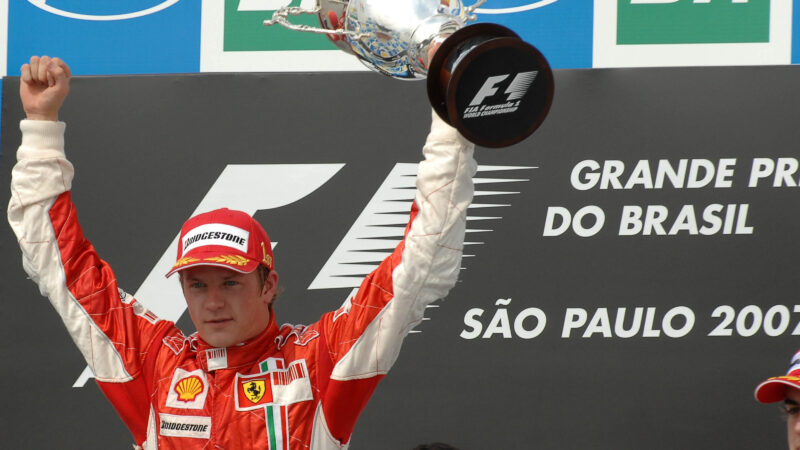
x=254, y=390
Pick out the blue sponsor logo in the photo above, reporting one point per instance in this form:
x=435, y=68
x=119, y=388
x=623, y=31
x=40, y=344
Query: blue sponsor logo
x=561, y=29
x=102, y=9
x=796, y=32
x=99, y=37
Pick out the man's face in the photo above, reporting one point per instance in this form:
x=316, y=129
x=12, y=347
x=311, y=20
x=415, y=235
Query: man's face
x=792, y=408
x=227, y=307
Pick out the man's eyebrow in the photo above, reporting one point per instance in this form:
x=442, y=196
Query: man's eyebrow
x=790, y=402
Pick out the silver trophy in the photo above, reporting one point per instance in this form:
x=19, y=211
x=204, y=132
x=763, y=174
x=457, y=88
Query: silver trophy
x=483, y=79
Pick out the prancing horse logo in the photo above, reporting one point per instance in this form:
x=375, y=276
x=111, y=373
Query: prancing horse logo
x=254, y=390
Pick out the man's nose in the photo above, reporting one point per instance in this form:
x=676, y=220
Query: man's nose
x=215, y=299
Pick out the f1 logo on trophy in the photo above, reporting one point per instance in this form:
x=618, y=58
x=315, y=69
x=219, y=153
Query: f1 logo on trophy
x=483, y=79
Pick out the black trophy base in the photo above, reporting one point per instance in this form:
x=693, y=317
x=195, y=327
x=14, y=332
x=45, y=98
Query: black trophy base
x=492, y=86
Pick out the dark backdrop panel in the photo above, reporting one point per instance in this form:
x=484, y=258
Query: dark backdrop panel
x=147, y=149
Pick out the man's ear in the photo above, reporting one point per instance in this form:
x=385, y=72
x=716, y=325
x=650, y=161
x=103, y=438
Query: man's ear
x=270, y=286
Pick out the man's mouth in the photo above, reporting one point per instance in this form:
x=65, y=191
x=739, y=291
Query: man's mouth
x=217, y=321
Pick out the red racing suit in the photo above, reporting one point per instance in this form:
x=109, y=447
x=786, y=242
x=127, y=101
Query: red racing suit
x=291, y=387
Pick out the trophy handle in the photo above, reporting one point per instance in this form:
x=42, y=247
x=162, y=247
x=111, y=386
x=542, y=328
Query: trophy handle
x=281, y=17
x=468, y=10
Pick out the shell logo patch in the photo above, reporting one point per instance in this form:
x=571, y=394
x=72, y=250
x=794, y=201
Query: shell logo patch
x=188, y=388
x=254, y=390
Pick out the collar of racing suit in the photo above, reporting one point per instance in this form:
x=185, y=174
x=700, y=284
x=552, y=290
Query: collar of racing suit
x=244, y=354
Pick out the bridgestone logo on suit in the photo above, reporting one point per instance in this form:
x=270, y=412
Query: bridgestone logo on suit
x=185, y=426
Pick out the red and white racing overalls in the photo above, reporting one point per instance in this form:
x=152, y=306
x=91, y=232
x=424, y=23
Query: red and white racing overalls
x=291, y=387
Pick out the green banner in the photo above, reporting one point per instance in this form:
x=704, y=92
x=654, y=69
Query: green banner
x=692, y=21
x=245, y=31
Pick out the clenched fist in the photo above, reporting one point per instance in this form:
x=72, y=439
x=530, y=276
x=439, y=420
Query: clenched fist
x=44, y=84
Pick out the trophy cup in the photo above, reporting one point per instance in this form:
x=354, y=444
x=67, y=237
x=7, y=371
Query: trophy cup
x=482, y=79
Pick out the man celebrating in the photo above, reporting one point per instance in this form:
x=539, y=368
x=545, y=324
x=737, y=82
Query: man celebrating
x=785, y=389
x=240, y=381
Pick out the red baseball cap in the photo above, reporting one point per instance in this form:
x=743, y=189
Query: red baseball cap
x=223, y=238
x=774, y=389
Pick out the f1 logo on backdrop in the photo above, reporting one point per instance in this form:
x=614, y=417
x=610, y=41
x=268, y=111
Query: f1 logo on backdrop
x=692, y=32
x=102, y=9
x=372, y=237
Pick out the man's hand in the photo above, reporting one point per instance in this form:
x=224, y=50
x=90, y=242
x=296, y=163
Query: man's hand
x=44, y=84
